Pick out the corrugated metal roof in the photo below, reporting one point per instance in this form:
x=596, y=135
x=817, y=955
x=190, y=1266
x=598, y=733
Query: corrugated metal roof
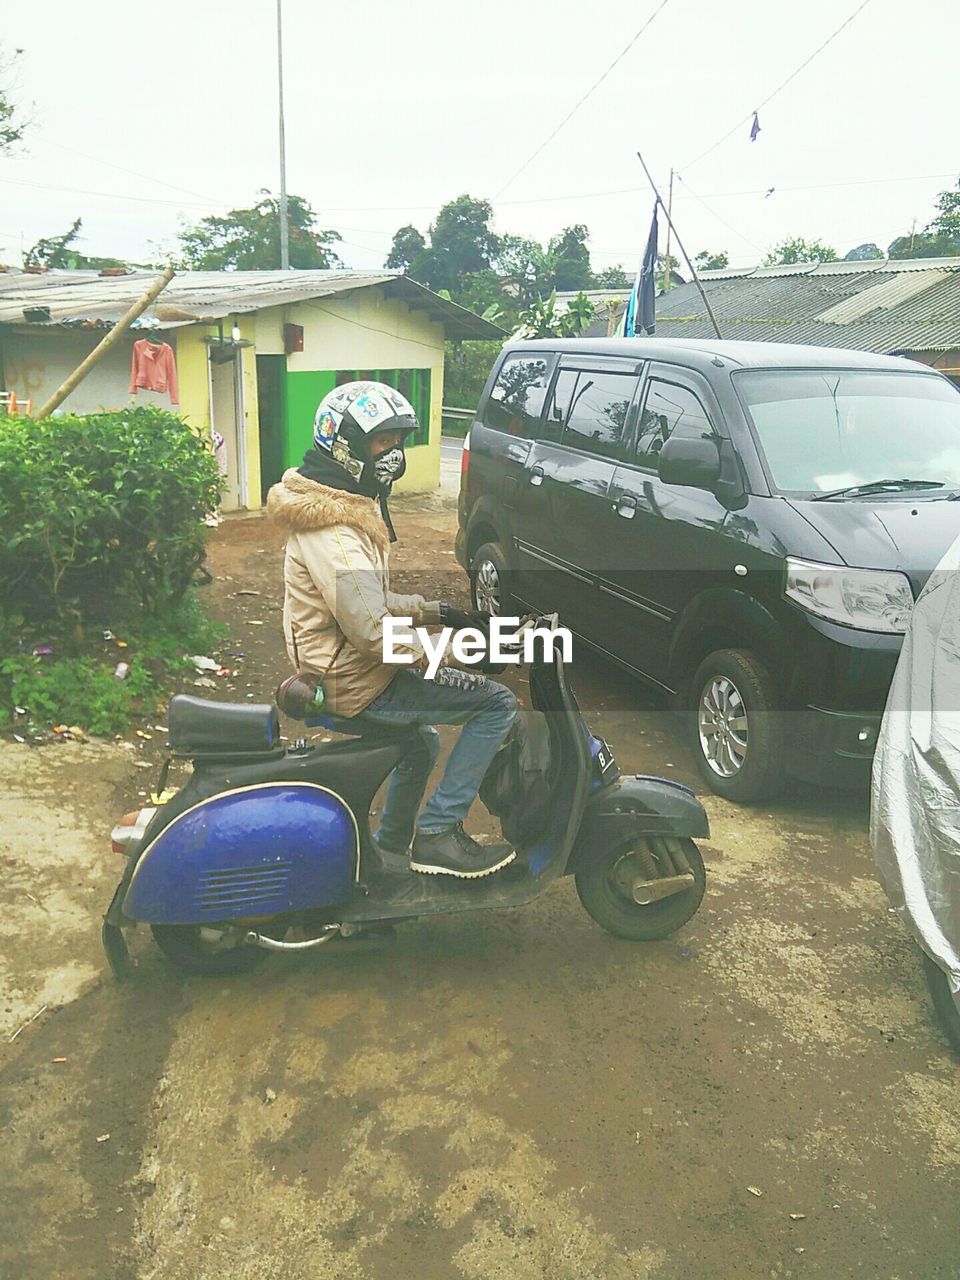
x=786, y=269
x=917, y=264
x=886, y=295
x=727, y=273
x=86, y=298
x=844, y=268
x=867, y=306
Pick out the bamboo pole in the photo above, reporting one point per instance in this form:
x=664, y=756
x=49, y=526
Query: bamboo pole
x=101, y=349
x=686, y=258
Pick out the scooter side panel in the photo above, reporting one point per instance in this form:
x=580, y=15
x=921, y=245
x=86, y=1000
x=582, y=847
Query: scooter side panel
x=259, y=850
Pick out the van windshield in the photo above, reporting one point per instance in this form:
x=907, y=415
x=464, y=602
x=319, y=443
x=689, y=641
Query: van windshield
x=829, y=430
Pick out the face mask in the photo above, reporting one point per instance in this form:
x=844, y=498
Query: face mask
x=390, y=466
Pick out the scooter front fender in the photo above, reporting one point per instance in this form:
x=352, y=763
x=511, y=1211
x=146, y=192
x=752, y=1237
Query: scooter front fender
x=637, y=805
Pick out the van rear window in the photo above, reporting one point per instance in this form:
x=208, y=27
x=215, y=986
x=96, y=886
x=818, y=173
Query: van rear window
x=516, y=400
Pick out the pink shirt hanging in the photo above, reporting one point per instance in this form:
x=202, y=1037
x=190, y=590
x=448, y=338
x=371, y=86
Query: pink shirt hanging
x=154, y=368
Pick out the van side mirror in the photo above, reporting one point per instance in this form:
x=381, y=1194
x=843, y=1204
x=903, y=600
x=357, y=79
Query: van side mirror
x=692, y=461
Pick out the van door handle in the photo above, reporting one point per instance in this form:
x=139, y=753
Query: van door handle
x=536, y=475
x=626, y=506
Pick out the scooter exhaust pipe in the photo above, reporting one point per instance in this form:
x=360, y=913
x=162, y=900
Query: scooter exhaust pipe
x=255, y=939
x=647, y=891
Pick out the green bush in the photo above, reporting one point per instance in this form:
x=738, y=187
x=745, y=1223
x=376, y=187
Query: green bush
x=41, y=686
x=101, y=515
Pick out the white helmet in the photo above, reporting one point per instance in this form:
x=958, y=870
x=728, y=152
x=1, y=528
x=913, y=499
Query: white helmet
x=349, y=416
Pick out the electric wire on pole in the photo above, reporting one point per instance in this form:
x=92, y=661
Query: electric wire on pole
x=284, y=219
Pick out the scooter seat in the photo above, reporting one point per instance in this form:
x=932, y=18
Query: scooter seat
x=200, y=727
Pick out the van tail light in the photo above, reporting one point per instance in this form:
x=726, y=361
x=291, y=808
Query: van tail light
x=465, y=460
x=130, y=830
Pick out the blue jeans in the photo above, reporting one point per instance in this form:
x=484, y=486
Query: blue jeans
x=484, y=708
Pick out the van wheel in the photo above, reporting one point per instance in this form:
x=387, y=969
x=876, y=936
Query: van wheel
x=489, y=580
x=736, y=727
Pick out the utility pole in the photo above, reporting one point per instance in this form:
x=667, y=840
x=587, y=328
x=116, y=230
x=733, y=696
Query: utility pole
x=284, y=220
x=666, y=256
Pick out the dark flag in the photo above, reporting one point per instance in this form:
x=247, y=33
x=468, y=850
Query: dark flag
x=641, y=305
x=755, y=127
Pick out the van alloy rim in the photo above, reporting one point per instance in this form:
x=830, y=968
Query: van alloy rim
x=488, y=587
x=722, y=724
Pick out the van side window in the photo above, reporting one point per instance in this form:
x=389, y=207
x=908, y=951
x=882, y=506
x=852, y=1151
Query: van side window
x=597, y=417
x=558, y=406
x=668, y=409
x=517, y=396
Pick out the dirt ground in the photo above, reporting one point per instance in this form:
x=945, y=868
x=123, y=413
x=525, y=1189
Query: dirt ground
x=511, y=1095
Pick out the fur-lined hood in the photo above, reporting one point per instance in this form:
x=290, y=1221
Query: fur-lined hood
x=300, y=505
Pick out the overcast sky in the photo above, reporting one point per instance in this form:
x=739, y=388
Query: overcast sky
x=147, y=114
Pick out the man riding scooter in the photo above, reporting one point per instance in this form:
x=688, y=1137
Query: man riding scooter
x=336, y=595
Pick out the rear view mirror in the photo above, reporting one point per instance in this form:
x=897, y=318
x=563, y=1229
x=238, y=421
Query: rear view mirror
x=692, y=461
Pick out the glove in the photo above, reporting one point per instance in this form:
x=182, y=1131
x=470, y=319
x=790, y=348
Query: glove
x=451, y=616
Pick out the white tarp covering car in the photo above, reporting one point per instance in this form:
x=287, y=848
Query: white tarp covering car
x=915, y=809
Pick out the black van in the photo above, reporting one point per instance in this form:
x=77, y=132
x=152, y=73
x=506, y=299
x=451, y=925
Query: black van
x=744, y=525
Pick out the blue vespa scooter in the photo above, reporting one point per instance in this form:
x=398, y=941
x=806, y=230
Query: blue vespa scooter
x=268, y=848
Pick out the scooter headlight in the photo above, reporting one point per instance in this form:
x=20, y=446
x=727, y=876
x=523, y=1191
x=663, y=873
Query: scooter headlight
x=869, y=599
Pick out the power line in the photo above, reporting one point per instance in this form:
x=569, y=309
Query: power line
x=109, y=195
x=134, y=173
x=624, y=191
x=781, y=86
x=576, y=107
x=713, y=213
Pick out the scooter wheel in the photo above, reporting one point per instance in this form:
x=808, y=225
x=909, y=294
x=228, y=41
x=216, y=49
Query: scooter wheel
x=186, y=949
x=607, y=902
x=943, y=1001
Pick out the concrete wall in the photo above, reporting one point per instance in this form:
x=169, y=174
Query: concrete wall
x=35, y=364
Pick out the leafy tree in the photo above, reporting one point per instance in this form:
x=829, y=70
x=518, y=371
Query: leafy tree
x=923, y=244
x=408, y=245
x=59, y=251
x=706, y=261
x=947, y=221
x=940, y=238
x=481, y=292
x=542, y=319
x=249, y=239
x=12, y=125
x=462, y=242
x=465, y=371
x=53, y=251
x=525, y=268
x=571, y=259
x=612, y=278
x=665, y=262
x=796, y=249
x=866, y=252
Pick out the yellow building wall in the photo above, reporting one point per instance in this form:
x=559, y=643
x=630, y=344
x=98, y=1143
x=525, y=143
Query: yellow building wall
x=194, y=386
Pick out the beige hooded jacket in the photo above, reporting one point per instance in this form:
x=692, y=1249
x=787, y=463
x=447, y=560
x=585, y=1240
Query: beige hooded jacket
x=337, y=588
